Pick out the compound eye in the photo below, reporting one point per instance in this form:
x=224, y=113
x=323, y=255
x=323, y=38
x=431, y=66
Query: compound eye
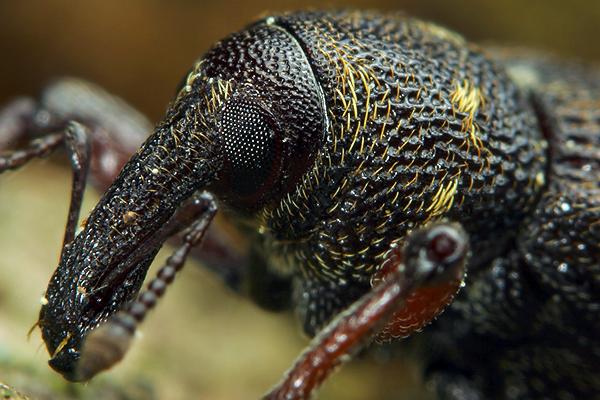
x=252, y=148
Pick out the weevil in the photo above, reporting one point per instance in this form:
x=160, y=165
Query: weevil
x=384, y=170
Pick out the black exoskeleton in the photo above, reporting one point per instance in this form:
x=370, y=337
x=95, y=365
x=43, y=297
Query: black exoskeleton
x=370, y=160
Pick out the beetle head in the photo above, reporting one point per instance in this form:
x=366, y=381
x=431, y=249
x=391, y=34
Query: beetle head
x=272, y=116
x=242, y=125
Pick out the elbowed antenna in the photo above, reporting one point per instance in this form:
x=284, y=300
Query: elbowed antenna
x=108, y=344
x=104, y=267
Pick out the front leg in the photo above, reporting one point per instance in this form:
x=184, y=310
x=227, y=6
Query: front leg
x=98, y=130
x=431, y=256
x=116, y=129
x=77, y=141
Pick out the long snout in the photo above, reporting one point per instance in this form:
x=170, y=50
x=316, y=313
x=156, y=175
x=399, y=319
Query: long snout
x=105, y=265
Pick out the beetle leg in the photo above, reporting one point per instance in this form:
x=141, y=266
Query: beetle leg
x=109, y=132
x=75, y=137
x=78, y=145
x=15, y=119
x=38, y=148
x=116, y=129
x=107, y=345
x=422, y=262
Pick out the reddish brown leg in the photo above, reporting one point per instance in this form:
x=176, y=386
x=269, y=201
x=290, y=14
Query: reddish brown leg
x=435, y=253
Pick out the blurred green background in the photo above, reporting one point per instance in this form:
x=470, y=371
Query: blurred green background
x=203, y=342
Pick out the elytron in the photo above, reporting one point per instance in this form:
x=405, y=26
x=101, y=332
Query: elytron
x=383, y=168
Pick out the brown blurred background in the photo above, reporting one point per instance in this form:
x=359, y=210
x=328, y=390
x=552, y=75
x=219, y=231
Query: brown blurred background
x=141, y=48
x=203, y=342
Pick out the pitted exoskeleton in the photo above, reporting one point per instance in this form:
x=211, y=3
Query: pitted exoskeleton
x=365, y=157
